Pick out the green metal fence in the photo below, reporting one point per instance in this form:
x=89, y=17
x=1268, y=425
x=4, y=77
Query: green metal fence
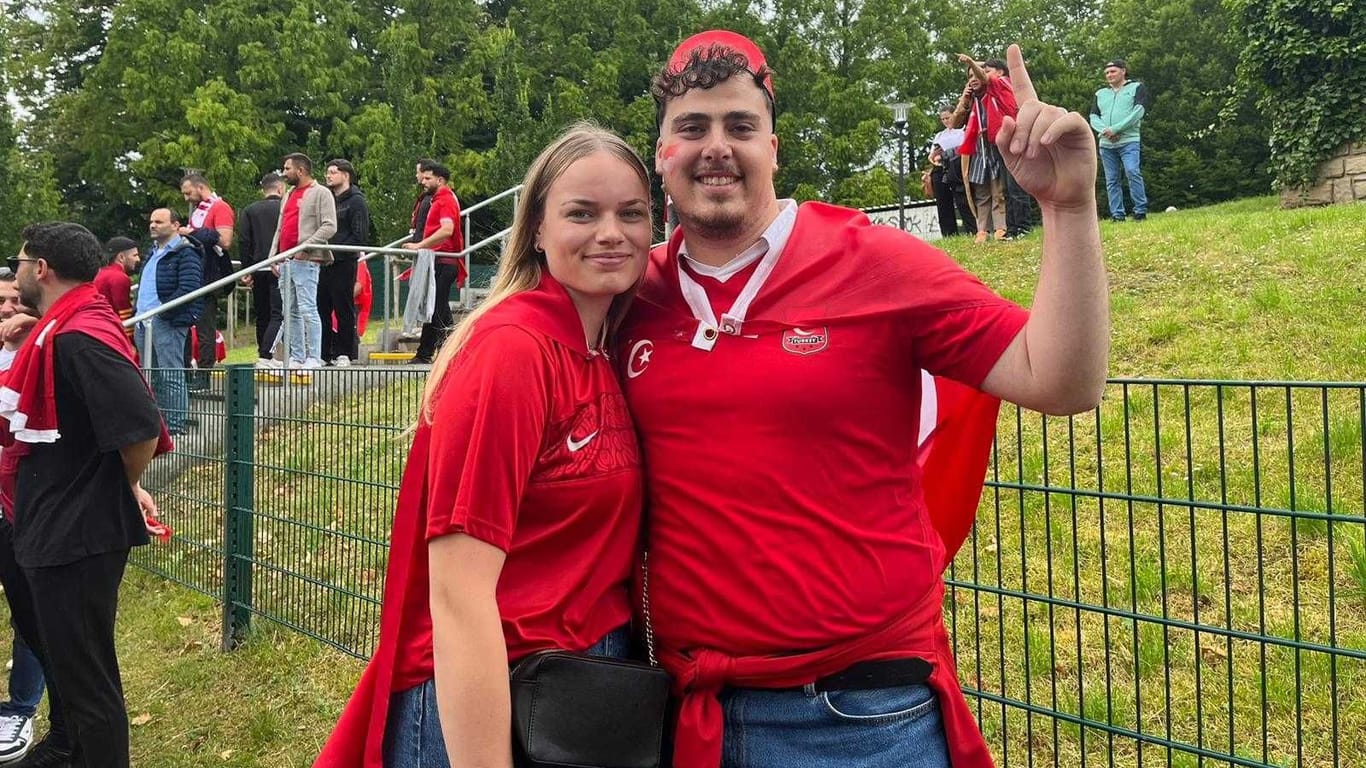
x=1176, y=578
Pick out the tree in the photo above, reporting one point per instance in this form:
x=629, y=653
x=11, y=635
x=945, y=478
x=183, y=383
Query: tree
x=1307, y=57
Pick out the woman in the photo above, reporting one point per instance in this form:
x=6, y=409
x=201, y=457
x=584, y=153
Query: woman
x=519, y=510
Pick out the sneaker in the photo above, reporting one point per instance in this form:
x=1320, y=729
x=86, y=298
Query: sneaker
x=268, y=363
x=981, y=238
x=1117, y=219
x=1000, y=234
x=1140, y=216
x=43, y=755
x=16, y=736
x=311, y=364
x=342, y=361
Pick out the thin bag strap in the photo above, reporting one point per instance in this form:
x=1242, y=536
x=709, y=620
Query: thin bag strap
x=645, y=607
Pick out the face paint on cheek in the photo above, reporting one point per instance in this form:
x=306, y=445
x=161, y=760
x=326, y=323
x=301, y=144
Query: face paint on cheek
x=668, y=155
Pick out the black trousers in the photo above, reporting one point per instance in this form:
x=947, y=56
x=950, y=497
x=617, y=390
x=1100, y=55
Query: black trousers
x=76, y=605
x=206, y=328
x=268, y=308
x=947, y=197
x=434, y=333
x=1019, y=208
x=336, y=294
x=25, y=621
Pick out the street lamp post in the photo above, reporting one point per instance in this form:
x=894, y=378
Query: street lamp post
x=900, y=110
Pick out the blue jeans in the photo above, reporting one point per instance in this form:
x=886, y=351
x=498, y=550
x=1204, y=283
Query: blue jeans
x=881, y=728
x=167, y=367
x=301, y=302
x=412, y=737
x=1125, y=156
x=26, y=682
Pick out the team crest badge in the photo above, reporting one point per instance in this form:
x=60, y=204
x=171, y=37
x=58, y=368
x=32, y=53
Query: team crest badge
x=804, y=341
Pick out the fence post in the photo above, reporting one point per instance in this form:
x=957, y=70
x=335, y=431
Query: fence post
x=238, y=502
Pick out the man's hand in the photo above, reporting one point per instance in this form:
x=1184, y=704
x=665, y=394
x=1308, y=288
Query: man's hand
x=186, y=230
x=410, y=247
x=963, y=58
x=16, y=328
x=1107, y=133
x=146, y=503
x=1051, y=152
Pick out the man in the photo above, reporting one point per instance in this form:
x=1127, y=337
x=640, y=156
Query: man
x=772, y=362
x=174, y=268
x=26, y=680
x=211, y=222
x=308, y=217
x=440, y=233
x=337, y=280
x=84, y=427
x=946, y=176
x=421, y=207
x=987, y=100
x=121, y=260
x=258, y=231
x=1117, y=116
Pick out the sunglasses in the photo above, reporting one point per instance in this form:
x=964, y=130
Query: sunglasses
x=12, y=263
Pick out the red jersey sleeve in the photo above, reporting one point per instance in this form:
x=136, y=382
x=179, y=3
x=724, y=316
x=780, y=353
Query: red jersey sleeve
x=963, y=327
x=487, y=427
x=220, y=215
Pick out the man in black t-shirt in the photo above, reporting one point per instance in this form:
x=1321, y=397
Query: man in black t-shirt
x=78, y=507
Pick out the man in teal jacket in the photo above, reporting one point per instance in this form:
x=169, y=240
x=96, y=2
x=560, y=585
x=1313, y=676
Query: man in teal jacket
x=1116, y=114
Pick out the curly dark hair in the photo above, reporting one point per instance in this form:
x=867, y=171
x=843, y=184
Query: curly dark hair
x=706, y=68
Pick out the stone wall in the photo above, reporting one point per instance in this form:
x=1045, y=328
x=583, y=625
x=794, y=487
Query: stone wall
x=1342, y=179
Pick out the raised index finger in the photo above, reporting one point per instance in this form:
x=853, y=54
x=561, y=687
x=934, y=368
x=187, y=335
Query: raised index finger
x=1019, y=76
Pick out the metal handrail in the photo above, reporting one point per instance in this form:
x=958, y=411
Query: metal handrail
x=367, y=252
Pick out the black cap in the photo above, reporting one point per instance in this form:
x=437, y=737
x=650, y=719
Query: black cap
x=117, y=245
x=1116, y=63
x=271, y=179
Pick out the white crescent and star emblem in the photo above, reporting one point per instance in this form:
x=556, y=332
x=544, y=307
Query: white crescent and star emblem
x=639, y=359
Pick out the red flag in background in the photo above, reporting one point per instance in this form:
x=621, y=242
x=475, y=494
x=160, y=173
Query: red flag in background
x=957, y=426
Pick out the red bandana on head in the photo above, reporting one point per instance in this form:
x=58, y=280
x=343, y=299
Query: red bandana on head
x=726, y=39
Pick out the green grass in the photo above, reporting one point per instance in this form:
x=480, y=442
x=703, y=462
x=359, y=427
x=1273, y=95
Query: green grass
x=1236, y=291
x=1241, y=291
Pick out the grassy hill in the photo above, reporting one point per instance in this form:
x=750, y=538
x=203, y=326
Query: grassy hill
x=1242, y=290
x=1236, y=291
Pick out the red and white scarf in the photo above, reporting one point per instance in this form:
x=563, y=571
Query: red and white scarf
x=201, y=211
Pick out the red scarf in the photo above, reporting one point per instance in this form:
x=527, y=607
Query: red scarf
x=28, y=406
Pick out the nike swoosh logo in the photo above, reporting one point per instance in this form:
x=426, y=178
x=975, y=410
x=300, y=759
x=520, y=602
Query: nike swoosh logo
x=576, y=445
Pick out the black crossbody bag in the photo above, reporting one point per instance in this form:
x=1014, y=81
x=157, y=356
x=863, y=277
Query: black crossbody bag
x=572, y=710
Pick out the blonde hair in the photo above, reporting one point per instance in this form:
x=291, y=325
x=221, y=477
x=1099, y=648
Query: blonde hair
x=520, y=266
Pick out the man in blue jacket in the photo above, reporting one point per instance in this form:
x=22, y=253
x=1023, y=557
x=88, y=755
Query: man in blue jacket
x=1116, y=114
x=173, y=269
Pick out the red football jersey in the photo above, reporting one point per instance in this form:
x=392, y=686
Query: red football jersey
x=784, y=489
x=531, y=449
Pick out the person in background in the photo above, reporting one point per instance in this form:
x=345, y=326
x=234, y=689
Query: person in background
x=258, y=225
x=987, y=100
x=211, y=225
x=113, y=282
x=946, y=177
x=441, y=233
x=308, y=217
x=1117, y=114
x=337, y=281
x=173, y=270
x=26, y=680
